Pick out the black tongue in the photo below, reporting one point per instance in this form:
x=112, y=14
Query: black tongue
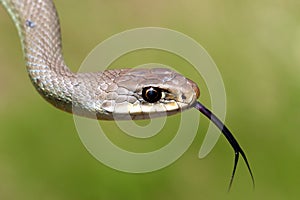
x=230, y=138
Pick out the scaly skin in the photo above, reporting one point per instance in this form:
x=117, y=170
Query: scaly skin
x=108, y=95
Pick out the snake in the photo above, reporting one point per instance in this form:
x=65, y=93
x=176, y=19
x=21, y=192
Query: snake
x=113, y=94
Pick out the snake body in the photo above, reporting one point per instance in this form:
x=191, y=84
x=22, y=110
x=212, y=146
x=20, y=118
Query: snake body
x=108, y=95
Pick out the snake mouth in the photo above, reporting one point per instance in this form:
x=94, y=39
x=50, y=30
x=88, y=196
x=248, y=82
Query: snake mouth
x=230, y=138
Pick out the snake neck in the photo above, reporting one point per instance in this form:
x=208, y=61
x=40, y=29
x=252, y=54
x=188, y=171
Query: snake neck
x=38, y=27
x=39, y=30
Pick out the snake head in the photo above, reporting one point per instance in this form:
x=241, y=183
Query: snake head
x=149, y=93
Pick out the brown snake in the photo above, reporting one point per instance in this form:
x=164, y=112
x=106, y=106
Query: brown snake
x=108, y=95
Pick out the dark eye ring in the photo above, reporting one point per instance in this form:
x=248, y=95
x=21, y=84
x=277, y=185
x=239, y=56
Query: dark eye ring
x=151, y=94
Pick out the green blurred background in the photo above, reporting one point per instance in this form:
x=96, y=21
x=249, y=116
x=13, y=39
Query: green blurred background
x=256, y=45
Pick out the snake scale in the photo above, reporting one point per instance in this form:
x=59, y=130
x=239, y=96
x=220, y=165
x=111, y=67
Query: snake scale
x=117, y=94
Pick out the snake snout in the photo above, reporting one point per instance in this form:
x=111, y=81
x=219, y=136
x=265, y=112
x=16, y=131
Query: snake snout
x=194, y=87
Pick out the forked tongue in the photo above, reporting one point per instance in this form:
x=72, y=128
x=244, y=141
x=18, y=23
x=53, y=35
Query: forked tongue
x=230, y=138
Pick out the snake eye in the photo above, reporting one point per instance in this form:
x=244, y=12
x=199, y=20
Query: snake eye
x=151, y=94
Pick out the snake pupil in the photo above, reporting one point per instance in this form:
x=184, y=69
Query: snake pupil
x=151, y=94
